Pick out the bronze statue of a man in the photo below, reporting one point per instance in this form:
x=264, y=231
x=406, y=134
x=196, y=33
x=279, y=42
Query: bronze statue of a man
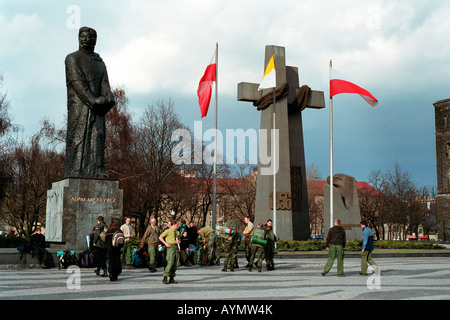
x=89, y=98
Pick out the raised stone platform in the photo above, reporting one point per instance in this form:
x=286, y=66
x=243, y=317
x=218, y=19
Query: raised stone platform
x=73, y=205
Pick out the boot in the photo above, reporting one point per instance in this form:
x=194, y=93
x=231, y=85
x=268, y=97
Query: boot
x=172, y=280
x=232, y=268
x=104, y=274
x=165, y=280
x=224, y=268
x=259, y=269
x=250, y=268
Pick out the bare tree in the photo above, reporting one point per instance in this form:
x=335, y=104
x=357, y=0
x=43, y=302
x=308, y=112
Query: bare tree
x=33, y=170
x=240, y=190
x=152, y=149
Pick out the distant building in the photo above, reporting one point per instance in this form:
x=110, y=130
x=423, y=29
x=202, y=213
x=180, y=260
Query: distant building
x=442, y=124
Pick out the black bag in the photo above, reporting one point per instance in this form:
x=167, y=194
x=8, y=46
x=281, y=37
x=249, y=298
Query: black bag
x=204, y=261
x=86, y=260
x=67, y=259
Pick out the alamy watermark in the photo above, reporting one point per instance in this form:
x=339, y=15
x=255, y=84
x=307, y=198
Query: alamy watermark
x=73, y=22
x=190, y=149
x=374, y=280
x=74, y=280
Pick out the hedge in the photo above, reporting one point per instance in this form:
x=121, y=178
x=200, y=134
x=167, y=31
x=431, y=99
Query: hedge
x=7, y=241
x=354, y=245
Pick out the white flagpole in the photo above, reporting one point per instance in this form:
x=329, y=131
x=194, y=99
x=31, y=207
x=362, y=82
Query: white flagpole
x=274, y=155
x=331, y=153
x=274, y=196
x=215, y=138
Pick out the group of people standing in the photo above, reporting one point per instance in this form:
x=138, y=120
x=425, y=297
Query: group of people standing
x=229, y=239
x=260, y=244
x=104, y=251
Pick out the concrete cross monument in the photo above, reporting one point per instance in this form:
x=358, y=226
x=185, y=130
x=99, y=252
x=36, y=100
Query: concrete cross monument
x=292, y=212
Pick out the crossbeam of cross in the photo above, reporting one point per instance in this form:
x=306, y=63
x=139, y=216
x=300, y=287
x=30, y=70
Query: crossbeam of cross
x=292, y=212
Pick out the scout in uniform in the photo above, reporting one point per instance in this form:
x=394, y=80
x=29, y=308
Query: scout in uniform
x=231, y=244
x=209, y=239
x=258, y=244
x=171, y=239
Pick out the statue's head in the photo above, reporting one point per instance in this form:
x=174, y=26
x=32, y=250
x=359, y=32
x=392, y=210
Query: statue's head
x=87, y=38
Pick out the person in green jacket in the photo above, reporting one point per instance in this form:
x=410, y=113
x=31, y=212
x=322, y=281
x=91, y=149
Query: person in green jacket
x=171, y=239
x=209, y=239
x=152, y=233
x=230, y=244
x=259, y=243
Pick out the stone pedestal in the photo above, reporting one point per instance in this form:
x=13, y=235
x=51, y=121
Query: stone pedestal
x=345, y=206
x=73, y=205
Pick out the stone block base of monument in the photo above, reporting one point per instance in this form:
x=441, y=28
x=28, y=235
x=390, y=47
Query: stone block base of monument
x=345, y=206
x=73, y=205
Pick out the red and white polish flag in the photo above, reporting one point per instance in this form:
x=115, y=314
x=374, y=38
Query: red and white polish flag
x=340, y=84
x=205, y=87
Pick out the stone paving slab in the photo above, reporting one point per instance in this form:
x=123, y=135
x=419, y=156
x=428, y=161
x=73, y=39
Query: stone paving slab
x=411, y=278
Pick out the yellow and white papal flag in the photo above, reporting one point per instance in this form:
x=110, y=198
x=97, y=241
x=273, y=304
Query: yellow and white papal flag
x=269, y=78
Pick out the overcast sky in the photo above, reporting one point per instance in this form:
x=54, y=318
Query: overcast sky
x=398, y=50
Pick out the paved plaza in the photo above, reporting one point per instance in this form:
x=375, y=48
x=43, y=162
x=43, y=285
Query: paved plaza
x=408, y=278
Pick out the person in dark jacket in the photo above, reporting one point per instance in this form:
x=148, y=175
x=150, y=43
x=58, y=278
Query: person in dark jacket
x=37, y=243
x=113, y=253
x=99, y=246
x=335, y=244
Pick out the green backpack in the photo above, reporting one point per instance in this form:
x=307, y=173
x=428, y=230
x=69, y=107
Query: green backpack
x=258, y=237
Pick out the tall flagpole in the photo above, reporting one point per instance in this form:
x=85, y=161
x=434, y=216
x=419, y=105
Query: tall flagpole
x=274, y=155
x=215, y=138
x=331, y=153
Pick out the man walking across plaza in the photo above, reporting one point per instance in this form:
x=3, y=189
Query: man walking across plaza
x=366, y=249
x=335, y=244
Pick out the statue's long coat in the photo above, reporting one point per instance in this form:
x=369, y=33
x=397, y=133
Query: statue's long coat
x=86, y=80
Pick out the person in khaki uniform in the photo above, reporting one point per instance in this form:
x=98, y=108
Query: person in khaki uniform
x=230, y=244
x=258, y=247
x=128, y=233
x=152, y=233
x=171, y=239
x=209, y=238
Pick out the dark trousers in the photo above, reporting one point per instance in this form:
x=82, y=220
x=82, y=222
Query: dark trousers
x=99, y=257
x=114, y=263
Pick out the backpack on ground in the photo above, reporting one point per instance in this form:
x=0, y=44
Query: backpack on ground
x=137, y=259
x=67, y=259
x=86, y=260
x=204, y=260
